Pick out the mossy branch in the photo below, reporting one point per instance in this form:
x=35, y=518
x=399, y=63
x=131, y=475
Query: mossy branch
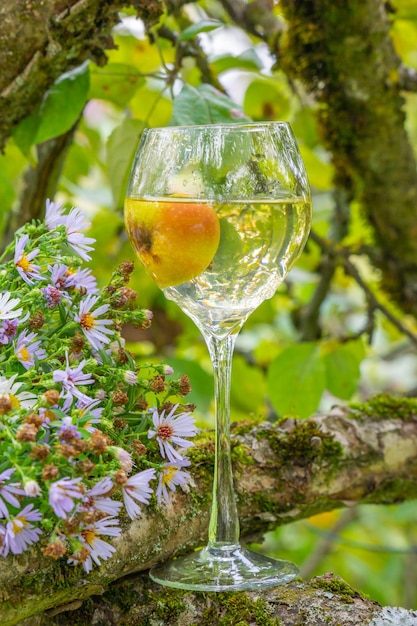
x=283, y=472
x=135, y=601
x=41, y=40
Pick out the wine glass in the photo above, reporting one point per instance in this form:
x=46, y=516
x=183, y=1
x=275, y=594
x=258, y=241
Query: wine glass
x=218, y=214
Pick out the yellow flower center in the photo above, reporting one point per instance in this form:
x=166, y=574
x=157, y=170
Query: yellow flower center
x=8, y=402
x=24, y=263
x=24, y=354
x=18, y=524
x=168, y=473
x=89, y=535
x=14, y=400
x=87, y=321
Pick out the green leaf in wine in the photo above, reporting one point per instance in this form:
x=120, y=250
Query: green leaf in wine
x=230, y=248
x=296, y=380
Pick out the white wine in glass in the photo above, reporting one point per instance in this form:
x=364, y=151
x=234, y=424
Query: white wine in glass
x=218, y=214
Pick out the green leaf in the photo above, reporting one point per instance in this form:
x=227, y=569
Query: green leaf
x=121, y=147
x=266, y=99
x=342, y=371
x=247, y=60
x=320, y=174
x=199, y=27
x=24, y=135
x=205, y=105
x=116, y=82
x=63, y=104
x=248, y=387
x=296, y=380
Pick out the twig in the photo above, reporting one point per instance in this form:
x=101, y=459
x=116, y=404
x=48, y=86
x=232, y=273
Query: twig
x=326, y=544
x=343, y=254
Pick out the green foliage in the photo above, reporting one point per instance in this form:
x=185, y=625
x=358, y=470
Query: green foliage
x=204, y=105
x=198, y=27
x=267, y=99
x=296, y=380
x=116, y=82
x=121, y=147
x=59, y=110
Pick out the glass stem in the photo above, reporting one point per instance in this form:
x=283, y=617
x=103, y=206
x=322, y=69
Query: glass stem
x=224, y=520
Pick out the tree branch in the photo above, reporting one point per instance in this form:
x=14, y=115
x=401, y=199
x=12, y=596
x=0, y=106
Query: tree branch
x=324, y=601
x=283, y=472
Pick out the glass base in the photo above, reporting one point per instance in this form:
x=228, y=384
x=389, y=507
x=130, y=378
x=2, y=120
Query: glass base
x=230, y=568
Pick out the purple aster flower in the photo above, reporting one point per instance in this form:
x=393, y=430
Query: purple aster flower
x=8, y=492
x=62, y=494
x=94, y=329
x=8, y=329
x=32, y=488
x=74, y=224
x=20, y=533
x=53, y=296
x=137, y=488
x=54, y=215
x=130, y=377
x=172, y=475
x=91, y=410
x=97, y=499
x=98, y=548
x=27, y=349
x=67, y=430
x=70, y=378
x=123, y=456
x=8, y=305
x=171, y=430
x=61, y=276
x=85, y=281
x=3, y=545
x=23, y=262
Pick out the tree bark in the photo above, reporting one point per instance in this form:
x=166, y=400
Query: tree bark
x=344, y=56
x=283, y=472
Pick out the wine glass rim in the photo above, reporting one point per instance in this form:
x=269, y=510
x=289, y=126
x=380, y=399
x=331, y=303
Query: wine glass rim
x=229, y=125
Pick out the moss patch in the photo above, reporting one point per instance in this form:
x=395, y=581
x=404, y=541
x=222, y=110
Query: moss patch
x=236, y=609
x=303, y=444
x=338, y=587
x=384, y=406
